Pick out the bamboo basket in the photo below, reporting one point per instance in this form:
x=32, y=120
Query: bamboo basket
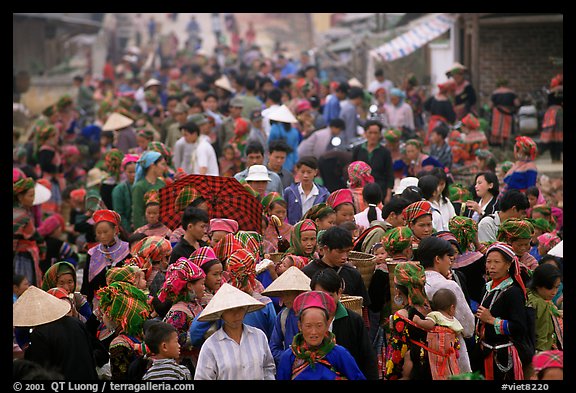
x=365, y=263
x=353, y=303
x=276, y=257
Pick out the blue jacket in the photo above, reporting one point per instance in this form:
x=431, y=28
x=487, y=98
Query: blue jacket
x=294, y=202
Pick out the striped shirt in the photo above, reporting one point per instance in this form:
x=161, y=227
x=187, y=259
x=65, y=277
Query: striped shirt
x=222, y=358
x=167, y=370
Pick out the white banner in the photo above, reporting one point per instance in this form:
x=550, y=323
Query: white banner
x=413, y=39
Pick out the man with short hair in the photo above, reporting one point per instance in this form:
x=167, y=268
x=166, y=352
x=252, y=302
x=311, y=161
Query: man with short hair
x=513, y=204
x=195, y=222
x=278, y=150
x=349, y=113
x=332, y=107
x=174, y=133
x=321, y=141
x=255, y=156
x=272, y=102
x=226, y=132
x=335, y=244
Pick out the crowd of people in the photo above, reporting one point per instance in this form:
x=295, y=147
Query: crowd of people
x=461, y=282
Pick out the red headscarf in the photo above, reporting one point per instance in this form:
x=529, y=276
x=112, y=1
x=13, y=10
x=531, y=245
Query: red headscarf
x=471, y=122
x=107, y=215
x=338, y=197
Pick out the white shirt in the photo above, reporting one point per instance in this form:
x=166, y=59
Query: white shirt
x=308, y=201
x=265, y=120
x=488, y=228
x=475, y=216
x=183, y=154
x=362, y=217
x=446, y=210
x=222, y=358
x=436, y=281
x=205, y=156
x=400, y=116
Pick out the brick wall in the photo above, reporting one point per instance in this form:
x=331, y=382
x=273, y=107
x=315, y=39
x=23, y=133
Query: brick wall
x=519, y=53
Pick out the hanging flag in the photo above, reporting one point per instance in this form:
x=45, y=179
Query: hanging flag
x=413, y=39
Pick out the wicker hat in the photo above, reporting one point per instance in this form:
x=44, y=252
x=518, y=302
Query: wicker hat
x=227, y=298
x=355, y=82
x=152, y=82
x=455, y=68
x=37, y=307
x=95, y=176
x=198, y=118
x=117, y=121
x=181, y=108
x=41, y=194
x=224, y=83
x=282, y=114
x=293, y=279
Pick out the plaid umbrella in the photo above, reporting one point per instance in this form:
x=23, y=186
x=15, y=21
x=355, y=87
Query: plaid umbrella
x=226, y=198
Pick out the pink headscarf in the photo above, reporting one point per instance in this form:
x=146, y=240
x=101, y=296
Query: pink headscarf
x=128, y=158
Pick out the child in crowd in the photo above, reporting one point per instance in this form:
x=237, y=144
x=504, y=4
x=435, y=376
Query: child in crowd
x=153, y=227
x=230, y=162
x=300, y=197
x=444, y=334
x=162, y=339
x=342, y=201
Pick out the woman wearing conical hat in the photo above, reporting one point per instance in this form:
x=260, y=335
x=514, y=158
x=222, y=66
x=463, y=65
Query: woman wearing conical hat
x=236, y=351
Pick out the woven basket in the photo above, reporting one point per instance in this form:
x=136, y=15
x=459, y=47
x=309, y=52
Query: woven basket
x=276, y=257
x=353, y=303
x=365, y=263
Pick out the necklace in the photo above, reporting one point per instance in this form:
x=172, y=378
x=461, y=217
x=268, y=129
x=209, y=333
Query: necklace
x=109, y=252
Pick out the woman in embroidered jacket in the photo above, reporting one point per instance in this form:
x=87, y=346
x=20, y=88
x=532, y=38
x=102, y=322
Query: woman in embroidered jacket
x=184, y=286
x=501, y=327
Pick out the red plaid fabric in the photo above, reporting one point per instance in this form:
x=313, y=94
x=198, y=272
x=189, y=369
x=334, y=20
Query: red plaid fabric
x=225, y=196
x=415, y=210
x=226, y=247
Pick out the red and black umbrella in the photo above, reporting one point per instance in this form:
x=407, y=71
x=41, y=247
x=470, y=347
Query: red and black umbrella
x=226, y=198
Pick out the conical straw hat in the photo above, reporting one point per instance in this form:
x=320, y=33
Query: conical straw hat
x=117, y=121
x=36, y=307
x=224, y=83
x=283, y=114
x=41, y=194
x=292, y=279
x=355, y=82
x=228, y=297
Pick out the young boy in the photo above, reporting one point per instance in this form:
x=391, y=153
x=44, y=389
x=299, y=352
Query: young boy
x=195, y=223
x=300, y=197
x=439, y=148
x=335, y=245
x=162, y=339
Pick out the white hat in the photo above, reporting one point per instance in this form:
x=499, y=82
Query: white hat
x=292, y=279
x=117, y=121
x=41, y=194
x=37, y=307
x=133, y=50
x=152, y=82
x=227, y=298
x=557, y=250
x=405, y=183
x=283, y=114
x=95, y=176
x=258, y=173
x=355, y=82
x=224, y=83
